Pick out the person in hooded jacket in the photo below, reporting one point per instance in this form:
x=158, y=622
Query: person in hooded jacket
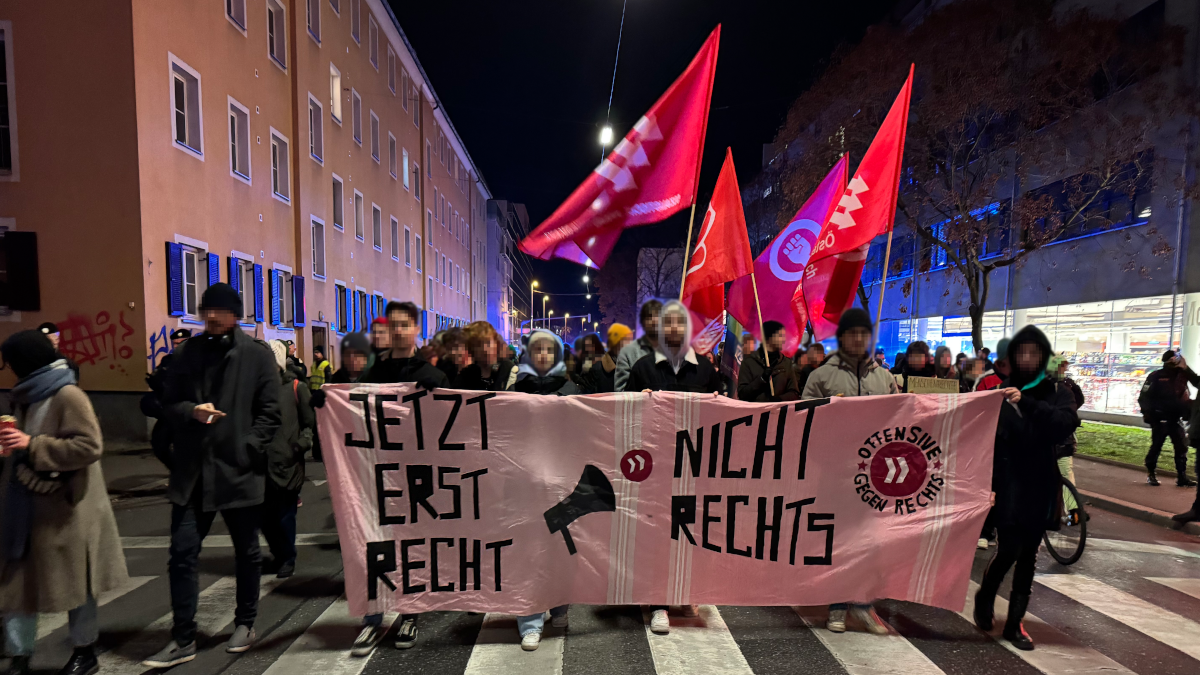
x=285, y=466
x=646, y=344
x=756, y=378
x=943, y=364
x=542, y=372
x=59, y=545
x=917, y=363
x=487, y=371
x=674, y=366
x=604, y=371
x=356, y=353
x=591, y=350
x=852, y=372
x=1037, y=416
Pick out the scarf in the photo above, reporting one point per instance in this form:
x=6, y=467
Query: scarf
x=43, y=383
x=1036, y=381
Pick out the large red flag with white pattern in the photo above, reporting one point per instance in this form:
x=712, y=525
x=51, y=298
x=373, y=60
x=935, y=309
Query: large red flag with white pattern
x=649, y=176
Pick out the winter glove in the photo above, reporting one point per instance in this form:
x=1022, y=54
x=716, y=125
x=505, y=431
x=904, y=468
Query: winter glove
x=318, y=399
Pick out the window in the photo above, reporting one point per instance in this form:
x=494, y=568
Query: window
x=374, y=137
x=376, y=228
x=318, y=247
x=442, y=268
x=408, y=247
x=442, y=150
x=405, y=167
x=316, y=140
x=191, y=283
x=314, y=18
x=282, y=303
x=185, y=102
x=418, y=251
x=339, y=223
x=416, y=111
x=391, y=70
x=248, y=288
x=235, y=11
x=239, y=140
x=453, y=269
x=395, y=239
x=335, y=93
x=404, y=88
x=356, y=21
x=416, y=186
x=279, y=166
x=8, y=120
x=428, y=159
x=372, y=41
x=341, y=315
x=359, y=225
x=276, y=33
x=356, y=116
x=392, y=154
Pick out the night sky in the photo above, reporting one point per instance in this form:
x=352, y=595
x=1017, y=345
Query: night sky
x=526, y=85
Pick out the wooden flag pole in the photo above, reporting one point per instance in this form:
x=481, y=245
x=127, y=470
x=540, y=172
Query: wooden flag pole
x=687, y=244
x=763, y=332
x=887, y=254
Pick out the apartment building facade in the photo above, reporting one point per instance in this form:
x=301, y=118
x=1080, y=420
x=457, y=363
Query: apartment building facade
x=292, y=148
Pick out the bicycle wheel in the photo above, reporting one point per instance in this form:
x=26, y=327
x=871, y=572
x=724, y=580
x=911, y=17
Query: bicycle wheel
x=1066, y=544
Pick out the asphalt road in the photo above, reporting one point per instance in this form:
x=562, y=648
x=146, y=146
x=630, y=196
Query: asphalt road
x=1131, y=605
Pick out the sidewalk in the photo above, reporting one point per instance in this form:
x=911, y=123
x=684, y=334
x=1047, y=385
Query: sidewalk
x=1123, y=490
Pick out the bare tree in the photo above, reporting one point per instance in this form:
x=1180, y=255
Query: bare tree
x=659, y=272
x=1007, y=93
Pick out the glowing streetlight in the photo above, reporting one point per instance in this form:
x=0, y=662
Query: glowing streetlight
x=606, y=136
x=544, y=299
x=531, y=287
x=595, y=325
x=589, y=296
x=585, y=278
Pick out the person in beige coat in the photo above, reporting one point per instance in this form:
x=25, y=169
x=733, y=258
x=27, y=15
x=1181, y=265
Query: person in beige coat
x=59, y=545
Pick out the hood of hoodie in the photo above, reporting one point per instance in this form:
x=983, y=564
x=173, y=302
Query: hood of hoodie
x=526, y=369
x=937, y=361
x=1029, y=334
x=675, y=358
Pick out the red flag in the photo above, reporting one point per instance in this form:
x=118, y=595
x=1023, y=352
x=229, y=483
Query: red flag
x=722, y=250
x=866, y=210
x=779, y=268
x=648, y=176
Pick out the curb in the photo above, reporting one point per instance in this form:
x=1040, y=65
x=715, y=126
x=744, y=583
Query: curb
x=1126, y=465
x=1138, y=512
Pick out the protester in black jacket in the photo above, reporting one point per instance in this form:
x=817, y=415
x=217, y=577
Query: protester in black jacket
x=285, y=466
x=756, y=378
x=1166, y=402
x=673, y=366
x=1037, y=416
x=222, y=396
x=917, y=363
x=487, y=371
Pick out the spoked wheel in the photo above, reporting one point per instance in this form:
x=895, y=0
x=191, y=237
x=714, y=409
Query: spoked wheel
x=1066, y=544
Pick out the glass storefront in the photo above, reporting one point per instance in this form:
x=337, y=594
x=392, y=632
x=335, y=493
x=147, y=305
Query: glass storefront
x=1113, y=344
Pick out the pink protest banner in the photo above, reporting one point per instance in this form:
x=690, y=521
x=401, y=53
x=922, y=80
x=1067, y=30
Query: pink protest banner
x=459, y=500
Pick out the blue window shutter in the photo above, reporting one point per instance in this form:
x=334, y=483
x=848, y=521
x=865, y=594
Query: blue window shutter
x=174, y=279
x=298, y=313
x=349, y=310
x=354, y=304
x=214, y=269
x=258, y=293
x=276, y=297
x=370, y=307
x=235, y=278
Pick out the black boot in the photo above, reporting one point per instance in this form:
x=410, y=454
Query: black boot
x=1014, y=632
x=83, y=662
x=1152, y=477
x=985, y=599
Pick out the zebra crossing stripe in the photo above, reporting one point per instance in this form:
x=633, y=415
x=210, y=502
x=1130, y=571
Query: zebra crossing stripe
x=324, y=647
x=48, y=623
x=214, y=613
x=1183, y=585
x=1120, y=546
x=1165, y=626
x=497, y=650
x=700, y=644
x=1056, y=651
x=865, y=654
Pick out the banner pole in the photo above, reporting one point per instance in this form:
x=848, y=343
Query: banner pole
x=763, y=332
x=687, y=244
x=887, y=254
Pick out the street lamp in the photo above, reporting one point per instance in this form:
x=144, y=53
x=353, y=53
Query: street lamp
x=585, y=278
x=544, y=299
x=589, y=296
x=606, y=135
x=531, y=287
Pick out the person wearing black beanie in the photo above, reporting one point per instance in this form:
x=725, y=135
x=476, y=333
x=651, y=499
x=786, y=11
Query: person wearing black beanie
x=27, y=351
x=766, y=374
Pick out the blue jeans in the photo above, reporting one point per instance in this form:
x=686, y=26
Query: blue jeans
x=189, y=527
x=534, y=622
x=20, y=630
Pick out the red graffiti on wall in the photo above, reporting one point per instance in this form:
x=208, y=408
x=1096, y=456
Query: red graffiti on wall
x=91, y=341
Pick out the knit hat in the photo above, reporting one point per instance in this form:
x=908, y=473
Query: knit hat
x=617, y=332
x=356, y=341
x=48, y=328
x=770, y=328
x=26, y=351
x=221, y=296
x=1168, y=355
x=279, y=349
x=381, y=320
x=854, y=317
x=181, y=334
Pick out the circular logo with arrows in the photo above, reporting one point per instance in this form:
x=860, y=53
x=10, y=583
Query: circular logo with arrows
x=636, y=465
x=898, y=470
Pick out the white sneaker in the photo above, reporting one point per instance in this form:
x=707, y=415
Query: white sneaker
x=869, y=619
x=983, y=544
x=559, y=622
x=659, y=623
x=837, y=621
x=531, y=641
x=690, y=611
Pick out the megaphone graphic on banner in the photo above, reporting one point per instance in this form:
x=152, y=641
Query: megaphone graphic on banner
x=593, y=494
